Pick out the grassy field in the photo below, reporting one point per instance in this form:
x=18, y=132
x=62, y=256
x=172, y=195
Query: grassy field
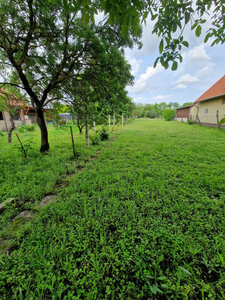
x=145, y=220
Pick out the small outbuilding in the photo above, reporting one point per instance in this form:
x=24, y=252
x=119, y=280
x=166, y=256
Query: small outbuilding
x=66, y=116
x=183, y=113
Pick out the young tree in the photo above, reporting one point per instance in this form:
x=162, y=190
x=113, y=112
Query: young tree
x=99, y=91
x=44, y=45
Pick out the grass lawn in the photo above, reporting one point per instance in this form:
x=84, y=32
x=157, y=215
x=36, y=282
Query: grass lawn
x=145, y=220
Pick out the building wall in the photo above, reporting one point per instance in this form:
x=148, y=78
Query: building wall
x=181, y=120
x=32, y=116
x=2, y=125
x=183, y=112
x=208, y=110
x=6, y=120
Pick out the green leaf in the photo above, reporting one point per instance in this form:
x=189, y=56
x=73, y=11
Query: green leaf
x=153, y=289
x=207, y=37
x=111, y=18
x=166, y=65
x=65, y=4
x=193, y=26
x=161, y=46
x=162, y=61
x=156, y=61
x=198, y=31
x=185, y=43
x=174, y=66
x=222, y=121
x=162, y=278
x=161, y=257
x=185, y=271
x=187, y=17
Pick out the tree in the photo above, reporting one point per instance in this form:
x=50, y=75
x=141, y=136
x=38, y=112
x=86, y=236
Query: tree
x=101, y=92
x=171, y=17
x=44, y=45
x=187, y=104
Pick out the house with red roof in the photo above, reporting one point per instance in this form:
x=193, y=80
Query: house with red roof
x=209, y=108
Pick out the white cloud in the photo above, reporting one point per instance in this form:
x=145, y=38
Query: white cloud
x=142, y=83
x=135, y=64
x=205, y=71
x=160, y=97
x=186, y=79
x=180, y=86
x=197, y=53
x=138, y=99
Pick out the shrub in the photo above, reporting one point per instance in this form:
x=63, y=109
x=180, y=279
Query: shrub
x=30, y=127
x=21, y=128
x=24, y=128
x=190, y=122
x=95, y=138
x=104, y=134
x=168, y=114
x=1, y=134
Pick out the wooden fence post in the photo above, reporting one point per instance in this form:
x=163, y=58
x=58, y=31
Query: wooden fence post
x=71, y=130
x=94, y=125
x=87, y=132
x=217, y=119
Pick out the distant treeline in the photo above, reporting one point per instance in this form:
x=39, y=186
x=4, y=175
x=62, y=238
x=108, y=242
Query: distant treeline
x=157, y=110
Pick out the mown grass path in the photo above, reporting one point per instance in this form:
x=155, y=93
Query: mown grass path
x=143, y=221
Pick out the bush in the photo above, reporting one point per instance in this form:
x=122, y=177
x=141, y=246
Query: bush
x=190, y=122
x=30, y=127
x=168, y=114
x=104, y=134
x=24, y=128
x=1, y=134
x=21, y=128
x=95, y=138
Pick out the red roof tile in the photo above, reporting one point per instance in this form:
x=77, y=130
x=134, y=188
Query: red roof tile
x=216, y=90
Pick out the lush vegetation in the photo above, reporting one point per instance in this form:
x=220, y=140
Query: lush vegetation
x=157, y=110
x=145, y=220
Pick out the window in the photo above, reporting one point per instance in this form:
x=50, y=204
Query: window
x=223, y=101
x=206, y=111
x=1, y=116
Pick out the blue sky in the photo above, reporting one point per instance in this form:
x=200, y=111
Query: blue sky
x=202, y=66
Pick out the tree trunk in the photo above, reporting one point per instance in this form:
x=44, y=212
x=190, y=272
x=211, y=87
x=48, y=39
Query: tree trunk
x=10, y=131
x=44, y=131
x=87, y=133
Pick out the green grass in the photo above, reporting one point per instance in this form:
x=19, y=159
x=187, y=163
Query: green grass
x=143, y=221
x=29, y=180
